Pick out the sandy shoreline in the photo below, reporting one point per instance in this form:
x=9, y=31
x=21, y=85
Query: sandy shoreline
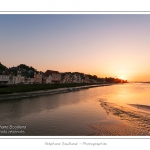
x=135, y=122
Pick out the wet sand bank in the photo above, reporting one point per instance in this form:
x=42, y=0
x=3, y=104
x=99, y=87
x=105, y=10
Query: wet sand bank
x=141, y=107
x=135, y=122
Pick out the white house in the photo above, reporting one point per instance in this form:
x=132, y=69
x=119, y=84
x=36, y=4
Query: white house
x=28, y=80
x=38, y=78
x=11, y=79
x=19, y=78
x=4, y=79
x=49, y=79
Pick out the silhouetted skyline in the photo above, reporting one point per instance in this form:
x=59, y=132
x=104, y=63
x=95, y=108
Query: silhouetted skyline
x=103, y=45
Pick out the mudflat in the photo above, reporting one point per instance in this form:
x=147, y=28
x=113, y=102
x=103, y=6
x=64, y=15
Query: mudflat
x=129, y=120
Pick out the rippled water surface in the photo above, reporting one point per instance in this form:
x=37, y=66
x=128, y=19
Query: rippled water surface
x=69, y=113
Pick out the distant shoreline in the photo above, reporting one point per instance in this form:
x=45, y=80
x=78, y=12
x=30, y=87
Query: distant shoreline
x=31, y=94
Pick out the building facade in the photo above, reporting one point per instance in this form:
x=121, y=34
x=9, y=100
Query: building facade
x=53, y=76
x=37, y=78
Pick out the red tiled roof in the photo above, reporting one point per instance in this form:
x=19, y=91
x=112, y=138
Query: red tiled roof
x=49, y=72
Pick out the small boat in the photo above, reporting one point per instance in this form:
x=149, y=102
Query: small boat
x=70, y=89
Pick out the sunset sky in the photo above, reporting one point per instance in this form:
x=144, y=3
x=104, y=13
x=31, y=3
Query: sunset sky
x=114, y=45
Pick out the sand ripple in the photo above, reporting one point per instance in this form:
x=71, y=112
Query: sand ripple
x=117, y=130
x=137, y=123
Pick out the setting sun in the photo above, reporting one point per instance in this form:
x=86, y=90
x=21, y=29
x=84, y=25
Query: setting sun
x=87, y=47
x=122, y=77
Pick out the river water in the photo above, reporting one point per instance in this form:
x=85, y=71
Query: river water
x=67, y=113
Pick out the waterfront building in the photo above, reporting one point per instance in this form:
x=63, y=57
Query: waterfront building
x=86, y=79
x=66, y=78
x=92, y=81
x=19, y=78
x=74, y=78
x=31, y=80
x=11, y=79
x=53, y=76
x=4, y=78
x=79, y=78
x=47, y=79
x=28, y=80
x=37, y=78
x=71, y=78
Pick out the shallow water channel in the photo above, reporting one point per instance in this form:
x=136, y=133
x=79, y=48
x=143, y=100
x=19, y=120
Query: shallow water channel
x=67, y=113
